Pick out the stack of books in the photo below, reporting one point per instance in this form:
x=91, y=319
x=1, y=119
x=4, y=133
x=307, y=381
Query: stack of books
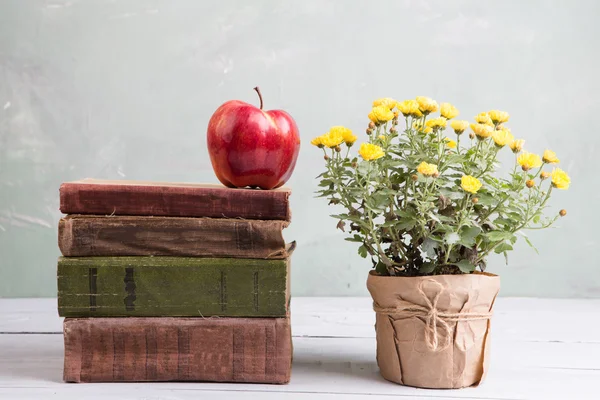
x=174, y=282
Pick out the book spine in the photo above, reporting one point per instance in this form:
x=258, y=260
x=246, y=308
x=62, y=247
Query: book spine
x=252, y=350
x=174, y=201
x=172, y=286
x=84, y=236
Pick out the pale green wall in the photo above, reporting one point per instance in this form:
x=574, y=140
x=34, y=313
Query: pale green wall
x=112, y=89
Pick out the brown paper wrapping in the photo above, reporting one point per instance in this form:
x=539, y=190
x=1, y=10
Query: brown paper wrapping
x=433, y=331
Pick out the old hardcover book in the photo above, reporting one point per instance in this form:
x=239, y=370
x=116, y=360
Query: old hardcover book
x=105, y=197
x=254, y=350
x=172, y=286
x=85, y=235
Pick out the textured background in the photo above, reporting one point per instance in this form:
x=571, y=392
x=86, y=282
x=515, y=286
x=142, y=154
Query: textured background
x=124, y=89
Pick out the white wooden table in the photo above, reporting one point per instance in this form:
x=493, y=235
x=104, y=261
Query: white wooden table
x=541, y=349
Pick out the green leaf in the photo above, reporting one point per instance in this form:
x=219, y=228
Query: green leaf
x=354, y=239
x=501, y=248
x=429, y=246
x=405, y=214
x=531, y=244
x=465, y=266
x=406, y=225
x=452, y=238
x=434, y=217
x=362, y=251
x=486, y=199
x=496, y=236
x=427, y=268
x=452, y=194
x=381, y=269
x=387, y=224
x=468, y=235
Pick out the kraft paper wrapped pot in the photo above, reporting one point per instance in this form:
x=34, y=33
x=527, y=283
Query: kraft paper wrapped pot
x=433, y=331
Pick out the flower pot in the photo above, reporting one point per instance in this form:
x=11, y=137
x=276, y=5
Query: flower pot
x=433, y=331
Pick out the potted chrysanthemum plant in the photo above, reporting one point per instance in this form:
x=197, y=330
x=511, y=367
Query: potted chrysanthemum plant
x=427, y=205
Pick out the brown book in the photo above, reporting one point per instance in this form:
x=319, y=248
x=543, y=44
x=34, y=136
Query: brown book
x=105, y=197
x=252, y=350
x=85, y=235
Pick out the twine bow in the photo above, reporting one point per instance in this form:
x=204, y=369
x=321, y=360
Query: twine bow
x=434, y=319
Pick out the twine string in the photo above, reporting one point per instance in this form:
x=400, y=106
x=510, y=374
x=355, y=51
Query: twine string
x=435, y=320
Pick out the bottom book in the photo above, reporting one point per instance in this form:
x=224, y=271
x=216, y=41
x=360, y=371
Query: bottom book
x=252, y=350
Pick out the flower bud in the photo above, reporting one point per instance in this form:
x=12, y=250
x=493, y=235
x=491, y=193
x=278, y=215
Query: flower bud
x=544, y=175
x=371, y=125
x=326, y=157
x=436, y=174
x=414, y=177
x=354, y=164
x=562, y=212
x=395, y=121
x=338, y=149
x=471, y=136
x=369, y=131
x=475, y=200
x=530, y=183
x=393, y=130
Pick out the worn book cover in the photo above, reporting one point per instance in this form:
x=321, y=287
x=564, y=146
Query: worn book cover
x=172, y=286
x=87, y=235
x=252, y=350
x=106, y=197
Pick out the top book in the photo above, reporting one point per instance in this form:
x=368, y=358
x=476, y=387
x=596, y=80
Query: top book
x=121, y=197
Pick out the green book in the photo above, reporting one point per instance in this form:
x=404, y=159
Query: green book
x=172, y=286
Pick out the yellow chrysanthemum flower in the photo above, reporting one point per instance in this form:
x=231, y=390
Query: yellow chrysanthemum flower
x=332, y=139
x=498, y=117
x=482, y=131
x=470, y=184
x=549, y=157
x=560, y=179
x=385, y=102
x=346, y=134
x=370, y=151
x=418, y=126
x=503, y=137
x=450, y=143
x=517, y=145
x=381, y=114
x=459, y=126
x=317, y=142
x=528, y=161
x=427, y=169
x=448, y=111
x=436, y=123
x=427, y=105
x=409, y=108
x=484, y=118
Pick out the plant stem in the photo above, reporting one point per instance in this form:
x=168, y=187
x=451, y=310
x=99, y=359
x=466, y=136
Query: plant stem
x=259, y=96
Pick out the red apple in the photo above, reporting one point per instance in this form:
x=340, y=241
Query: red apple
x=252, y=147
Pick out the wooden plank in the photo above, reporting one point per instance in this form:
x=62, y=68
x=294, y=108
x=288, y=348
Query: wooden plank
x=33, y=364
x=172, y=286
x=515, y=319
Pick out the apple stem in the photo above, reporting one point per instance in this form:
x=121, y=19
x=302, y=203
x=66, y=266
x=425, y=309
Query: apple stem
x=259, y=96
